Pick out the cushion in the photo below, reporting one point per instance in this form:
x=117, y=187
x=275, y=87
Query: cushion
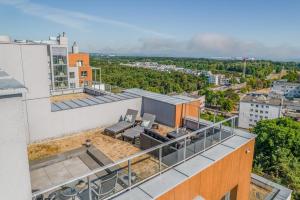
x=128, y=118
x=145, y=123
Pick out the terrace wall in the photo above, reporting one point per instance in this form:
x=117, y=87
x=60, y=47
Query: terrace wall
x=44, y=124
x=232, y=173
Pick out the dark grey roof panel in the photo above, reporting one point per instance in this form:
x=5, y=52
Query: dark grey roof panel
x=104, y=99
x=71, y=104
x=131, y=94
x=80, y=103
x=96, y=100
x=118, y=96
x=126, y=95
x=62, y=106
x=112, y=98
x=54, y=108
x=89, y=102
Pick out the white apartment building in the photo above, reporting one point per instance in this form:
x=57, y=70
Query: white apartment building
x=285, y=88
x=216, y=79
x=256, y=107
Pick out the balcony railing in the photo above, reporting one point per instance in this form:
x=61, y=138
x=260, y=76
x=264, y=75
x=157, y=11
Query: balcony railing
x=113, y=179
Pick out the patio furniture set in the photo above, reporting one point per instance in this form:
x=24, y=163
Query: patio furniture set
x=131, y=128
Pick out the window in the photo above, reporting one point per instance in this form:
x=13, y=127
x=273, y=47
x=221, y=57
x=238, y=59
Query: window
x=256, y=106
x=72, y=74
x=79, y=63
x=251, y=115
x=266, y=112
x=251, y=104
x=267, y=106
x=84, y=73
x=72, y=85
x=250, y=120
x=256, y=110
x=261, y=111
x=251, y=109
x=262, y=106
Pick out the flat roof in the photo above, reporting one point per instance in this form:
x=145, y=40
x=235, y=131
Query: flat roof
x=90, y=101
x=174, y=100
x=9, y=85
x=261, y=99
x=282, y=192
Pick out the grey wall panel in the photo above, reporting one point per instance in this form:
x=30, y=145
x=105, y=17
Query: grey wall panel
x=165, y=113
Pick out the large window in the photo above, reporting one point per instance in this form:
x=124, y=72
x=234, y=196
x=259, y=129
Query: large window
x=60, y=68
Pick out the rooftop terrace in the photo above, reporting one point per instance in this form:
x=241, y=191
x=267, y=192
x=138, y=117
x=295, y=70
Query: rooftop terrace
x=152, y=171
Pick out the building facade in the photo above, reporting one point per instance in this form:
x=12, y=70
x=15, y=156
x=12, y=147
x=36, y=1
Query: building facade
x=80, y=62
x=256, y=107
x=287, y=89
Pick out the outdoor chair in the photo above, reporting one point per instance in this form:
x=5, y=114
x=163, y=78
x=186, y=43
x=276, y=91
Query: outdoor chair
x=133, y=133
x=127, y=122
x=104, y=186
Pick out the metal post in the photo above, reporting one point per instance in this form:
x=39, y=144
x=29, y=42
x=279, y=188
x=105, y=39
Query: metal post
x=232, y=125
x=129, y=174
x=160, y=158
x=89, y=188
x=184, y=150
x=204, y=139
x=220, y=137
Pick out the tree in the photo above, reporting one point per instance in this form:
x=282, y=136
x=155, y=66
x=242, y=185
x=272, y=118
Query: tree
x=277, y=151
x=292, y=76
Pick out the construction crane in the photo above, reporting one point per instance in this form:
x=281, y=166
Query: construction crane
x=244, y=69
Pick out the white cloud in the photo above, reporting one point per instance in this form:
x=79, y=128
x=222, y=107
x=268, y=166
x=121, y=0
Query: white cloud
x=72, y=19
x=208, y=45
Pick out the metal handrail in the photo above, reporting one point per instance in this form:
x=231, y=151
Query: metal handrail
x=136, y=155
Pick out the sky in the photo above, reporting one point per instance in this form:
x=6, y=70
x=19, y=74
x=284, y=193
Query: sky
x=194, y=28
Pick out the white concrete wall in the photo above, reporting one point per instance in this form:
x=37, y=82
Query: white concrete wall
x=14, y=167
x=44, y=124
x=29, y=64
x=76, y=77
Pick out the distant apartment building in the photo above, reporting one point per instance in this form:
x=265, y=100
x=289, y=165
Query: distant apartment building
x=216, y=79
x=79, y=67
x=65, y=70
x=256, y=107
x=285, y=88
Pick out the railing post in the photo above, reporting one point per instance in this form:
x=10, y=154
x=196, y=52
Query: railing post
x=220, y=137
x=160, y=158
x=129, y=174
x=89, y=188
x=232, y=125
x=204, y=139
x=184, y=149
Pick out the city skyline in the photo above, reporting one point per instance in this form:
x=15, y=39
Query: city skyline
x=155, y=28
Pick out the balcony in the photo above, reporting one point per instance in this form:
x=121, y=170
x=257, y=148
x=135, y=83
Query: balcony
x=131, y=168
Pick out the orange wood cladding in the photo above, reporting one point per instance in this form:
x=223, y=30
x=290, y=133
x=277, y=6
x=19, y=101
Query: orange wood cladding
x=85, y=58
x=230, y=173
x=189, y=109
